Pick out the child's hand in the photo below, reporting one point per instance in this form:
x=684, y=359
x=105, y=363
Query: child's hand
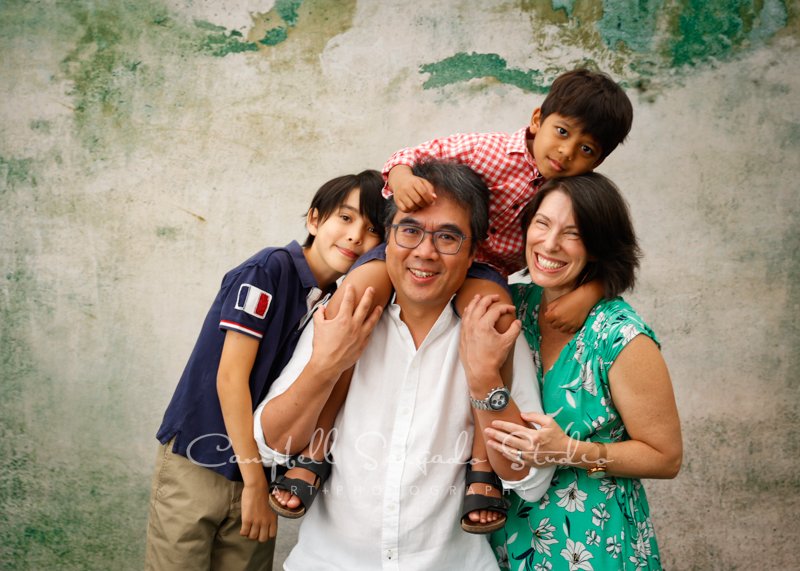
x=561, y=316
x=410, y=192
x=569, y=311
x=416, y=193
x=259, y=522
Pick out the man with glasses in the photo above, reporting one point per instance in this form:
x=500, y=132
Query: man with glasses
x=403, y=437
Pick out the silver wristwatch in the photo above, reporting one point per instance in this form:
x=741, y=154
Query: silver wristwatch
x=497, y=399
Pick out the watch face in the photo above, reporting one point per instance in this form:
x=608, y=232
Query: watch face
x=498, y=400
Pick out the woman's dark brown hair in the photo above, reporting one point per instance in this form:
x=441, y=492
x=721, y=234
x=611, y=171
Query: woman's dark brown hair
x=605, y=226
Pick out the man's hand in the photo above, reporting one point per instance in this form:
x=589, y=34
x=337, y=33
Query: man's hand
x=339, y=342
x=410, y=192
x=482, y=349
x=259, y=522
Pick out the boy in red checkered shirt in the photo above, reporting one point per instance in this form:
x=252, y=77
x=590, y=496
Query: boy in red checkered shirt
x=581, y=121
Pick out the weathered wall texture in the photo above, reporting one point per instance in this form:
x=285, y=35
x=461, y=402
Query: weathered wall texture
x=148, y=146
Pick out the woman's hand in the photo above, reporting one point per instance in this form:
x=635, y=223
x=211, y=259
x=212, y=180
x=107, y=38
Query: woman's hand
x=540, y=443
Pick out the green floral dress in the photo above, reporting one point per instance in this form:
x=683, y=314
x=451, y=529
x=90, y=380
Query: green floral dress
x=581, y=523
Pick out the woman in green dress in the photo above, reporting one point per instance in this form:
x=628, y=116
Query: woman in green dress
x=610, y=411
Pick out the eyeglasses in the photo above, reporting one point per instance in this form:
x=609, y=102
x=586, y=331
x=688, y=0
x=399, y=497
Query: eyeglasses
x=446, y=242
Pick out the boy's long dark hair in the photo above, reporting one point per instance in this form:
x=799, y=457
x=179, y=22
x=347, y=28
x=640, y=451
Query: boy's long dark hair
x=333, y=193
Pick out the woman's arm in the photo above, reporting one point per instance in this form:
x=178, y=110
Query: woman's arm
x=642, y=392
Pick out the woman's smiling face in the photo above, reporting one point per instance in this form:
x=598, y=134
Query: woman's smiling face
x=554, y=249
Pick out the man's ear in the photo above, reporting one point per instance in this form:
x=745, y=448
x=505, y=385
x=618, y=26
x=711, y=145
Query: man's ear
x=312, y=221
x=536, y=121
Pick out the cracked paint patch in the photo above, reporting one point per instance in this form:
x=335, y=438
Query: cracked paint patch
x=643, y=42
x=463, y=67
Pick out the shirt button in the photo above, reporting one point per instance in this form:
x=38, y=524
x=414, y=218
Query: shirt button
x=514, y=206
x=492, y=230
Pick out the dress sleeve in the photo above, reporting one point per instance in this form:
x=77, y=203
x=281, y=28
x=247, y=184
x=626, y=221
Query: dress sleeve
x=619, y=325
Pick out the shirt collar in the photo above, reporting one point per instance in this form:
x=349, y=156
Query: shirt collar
x=446, y=320
x=307, y=279
x=518, y=144
x=315, y=296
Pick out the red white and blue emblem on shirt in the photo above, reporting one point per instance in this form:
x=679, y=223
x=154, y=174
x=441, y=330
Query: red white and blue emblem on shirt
x=253, y=301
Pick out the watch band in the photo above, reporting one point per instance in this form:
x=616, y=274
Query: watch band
x=480, y=404
x=496, y=400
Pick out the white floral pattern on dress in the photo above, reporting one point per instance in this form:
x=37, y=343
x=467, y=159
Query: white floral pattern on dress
x=587, y=379
x=543, y=537
x=592, y=538
x=600, y=515
x=571, y=498
x=613, y=546
x=607, y=519
x=608, y=486
x=577, y=556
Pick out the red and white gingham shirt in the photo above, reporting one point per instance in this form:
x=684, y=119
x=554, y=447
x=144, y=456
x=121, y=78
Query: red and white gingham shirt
x=507, y=168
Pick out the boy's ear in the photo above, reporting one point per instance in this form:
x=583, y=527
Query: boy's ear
x=536, y=120
x=312, y=221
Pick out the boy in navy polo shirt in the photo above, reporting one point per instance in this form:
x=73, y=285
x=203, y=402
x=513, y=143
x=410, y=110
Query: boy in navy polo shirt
x=209, y=500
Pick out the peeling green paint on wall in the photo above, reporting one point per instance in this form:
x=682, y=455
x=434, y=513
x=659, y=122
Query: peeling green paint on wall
x=567, y=5
x=78, y=507
x=463, y=67
x=110, y=59
x=632, y=23
x=14, y=172
x=709, y=29
x=640, y=41
x=302, y=27
x=286, y=10
x=221, y=42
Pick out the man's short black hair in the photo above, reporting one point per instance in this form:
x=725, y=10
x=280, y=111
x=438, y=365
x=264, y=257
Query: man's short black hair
x=594, y=100
x=460, y=184
x=331, y=195
x=605, y=227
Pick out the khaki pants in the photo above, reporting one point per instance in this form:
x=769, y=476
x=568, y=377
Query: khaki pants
x=195, y=518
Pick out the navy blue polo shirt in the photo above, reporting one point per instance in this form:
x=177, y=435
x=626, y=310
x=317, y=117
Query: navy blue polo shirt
x=266, y=297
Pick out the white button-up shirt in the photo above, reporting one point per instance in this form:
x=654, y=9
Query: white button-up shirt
x=403, y=438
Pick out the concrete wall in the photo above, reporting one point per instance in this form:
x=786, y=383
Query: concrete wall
x=146, y=147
